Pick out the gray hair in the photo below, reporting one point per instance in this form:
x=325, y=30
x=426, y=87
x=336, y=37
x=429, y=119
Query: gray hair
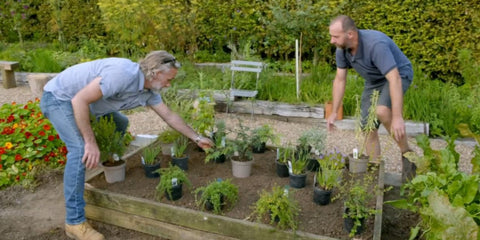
x=347, y=23
x=157, y=61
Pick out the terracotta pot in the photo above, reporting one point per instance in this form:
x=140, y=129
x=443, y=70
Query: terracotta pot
x=328, y=110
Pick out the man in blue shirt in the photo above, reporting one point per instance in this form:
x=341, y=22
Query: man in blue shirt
x=385, y=68
x=104, y=87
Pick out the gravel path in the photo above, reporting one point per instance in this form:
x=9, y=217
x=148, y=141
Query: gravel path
x=144, y=121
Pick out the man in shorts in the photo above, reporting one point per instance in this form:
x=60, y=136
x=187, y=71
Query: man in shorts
x=376, y=58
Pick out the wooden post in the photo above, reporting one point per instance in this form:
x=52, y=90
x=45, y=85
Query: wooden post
x=8, y=73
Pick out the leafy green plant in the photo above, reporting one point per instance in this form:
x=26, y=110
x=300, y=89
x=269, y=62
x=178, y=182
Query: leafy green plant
x=279, y=206
x=167, y=175
x=150, y=154
x=112, y=144
x=285, y=154
x=357, y=194
x=312, y=139
x=263, y=134
x=330, y=172
x=362, y=132
x=28, y=141
x=168, y=136
x=203, y=119
x=242, y=147
x=218, y=193
x=447, y=199
x=180, y=147
x=298, y=163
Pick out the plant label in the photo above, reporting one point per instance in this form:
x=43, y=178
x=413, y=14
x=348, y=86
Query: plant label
x=143, y=161
x=290, y=167
x=223, y=142
x=174, y=182
x=278, y=154
x=172, y=150
x=116, y=157
x=355, y=153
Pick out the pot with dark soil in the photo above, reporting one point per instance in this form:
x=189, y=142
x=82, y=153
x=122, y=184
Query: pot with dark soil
x=151, y=161
x=179, y=156
x=171, y=183
x=216, y=195
x=298, y=176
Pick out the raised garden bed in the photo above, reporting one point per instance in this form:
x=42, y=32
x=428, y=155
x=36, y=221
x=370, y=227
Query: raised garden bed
x=132, y=204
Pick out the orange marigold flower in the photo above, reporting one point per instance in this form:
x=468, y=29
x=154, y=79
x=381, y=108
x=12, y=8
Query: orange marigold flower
x=51, y=138
x=25, y=107
x=14, y=103
x=41, y=133
x=29, y=101
x=8, y=145
x=37, y=99
x=15, y=125
x=39, y=114
x=18, y=157
x=46, y=127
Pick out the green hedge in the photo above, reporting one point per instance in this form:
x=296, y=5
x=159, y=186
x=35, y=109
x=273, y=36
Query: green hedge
x=430, y=32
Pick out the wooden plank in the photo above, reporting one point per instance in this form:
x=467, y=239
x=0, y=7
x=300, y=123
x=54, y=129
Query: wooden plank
x=7, y=65
x=189, y=218
x=377, y=226
x=148, y=225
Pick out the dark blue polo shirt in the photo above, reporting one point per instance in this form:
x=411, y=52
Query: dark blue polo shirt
x=376, y=55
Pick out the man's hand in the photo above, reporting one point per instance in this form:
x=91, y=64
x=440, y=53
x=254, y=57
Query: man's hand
x=331, y=121
x=398, y=128
x=205, y=143
x=91, y=157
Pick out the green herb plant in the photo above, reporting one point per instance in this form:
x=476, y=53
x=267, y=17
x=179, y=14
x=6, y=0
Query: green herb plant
x=298, y=162
x=112, y=144
x=223, y=146
x=279, y=206
x=285, y=154
x=203, y=113
x=180, y=147
x=330, y=172
x=166, y=176
x=150, y=155
x=219, y=193
x=263, y=134
x=363, y=132
x=168, y=136
x=242, y=147
x=312, y=139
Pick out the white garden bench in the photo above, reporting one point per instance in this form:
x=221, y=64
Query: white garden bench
x=8, y=73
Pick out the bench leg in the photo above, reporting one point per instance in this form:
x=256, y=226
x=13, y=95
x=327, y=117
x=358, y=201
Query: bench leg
x=8, y=78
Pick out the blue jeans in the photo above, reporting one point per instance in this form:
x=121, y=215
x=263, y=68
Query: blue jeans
x=60, y=114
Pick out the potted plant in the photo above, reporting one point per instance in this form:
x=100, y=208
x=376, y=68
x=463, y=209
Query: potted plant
x=166, y=139
x=329, y=175
x=358, y=161
x=242, y=157
x=277, y=207
x=203, y=114
x=112, y=145
x=297, y=169
x=357, y=194
x=171, y=182
x=216, y=195
x=223, y=147
x=312, y=140
x=284, y=154
x=179, y=155
x=151, y=161
x=260, y=136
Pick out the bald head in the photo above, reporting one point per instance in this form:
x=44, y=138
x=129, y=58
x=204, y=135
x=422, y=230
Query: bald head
x=343, y=32
x=346, y=23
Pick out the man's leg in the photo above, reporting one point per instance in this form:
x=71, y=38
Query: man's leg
x=372, y=145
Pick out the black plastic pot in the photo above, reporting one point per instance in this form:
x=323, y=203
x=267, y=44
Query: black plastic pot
x=349, y=223
x=209, y=205
x=298, y=181
x=182, y=163
x=259, y=149
x=321, y=197
x=150, y=170
x=313, y=165
x=220, y=159
x=282, y=169
x=176, y=193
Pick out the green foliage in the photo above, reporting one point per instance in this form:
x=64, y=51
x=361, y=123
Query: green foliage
x=112, y=144
x=357, y=194
x=223, y=146
x=286, y=154
x=263, y=134
x=277, y=204
x=168, y=136
x=180, y=147
x=362, y=132
x=203, y=115
x=242, y=147
x=299, y=162
x=447, y=199
x=314, y=138
x=150, y=153
x=166, y=176
x=219, y=193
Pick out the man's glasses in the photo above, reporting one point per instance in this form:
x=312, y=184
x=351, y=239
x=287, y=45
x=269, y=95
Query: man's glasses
x=173, y=62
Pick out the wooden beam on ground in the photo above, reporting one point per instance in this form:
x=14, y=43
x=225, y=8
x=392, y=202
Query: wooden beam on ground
x=185, y=218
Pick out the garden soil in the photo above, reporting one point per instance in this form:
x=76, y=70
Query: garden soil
x=39, y=213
